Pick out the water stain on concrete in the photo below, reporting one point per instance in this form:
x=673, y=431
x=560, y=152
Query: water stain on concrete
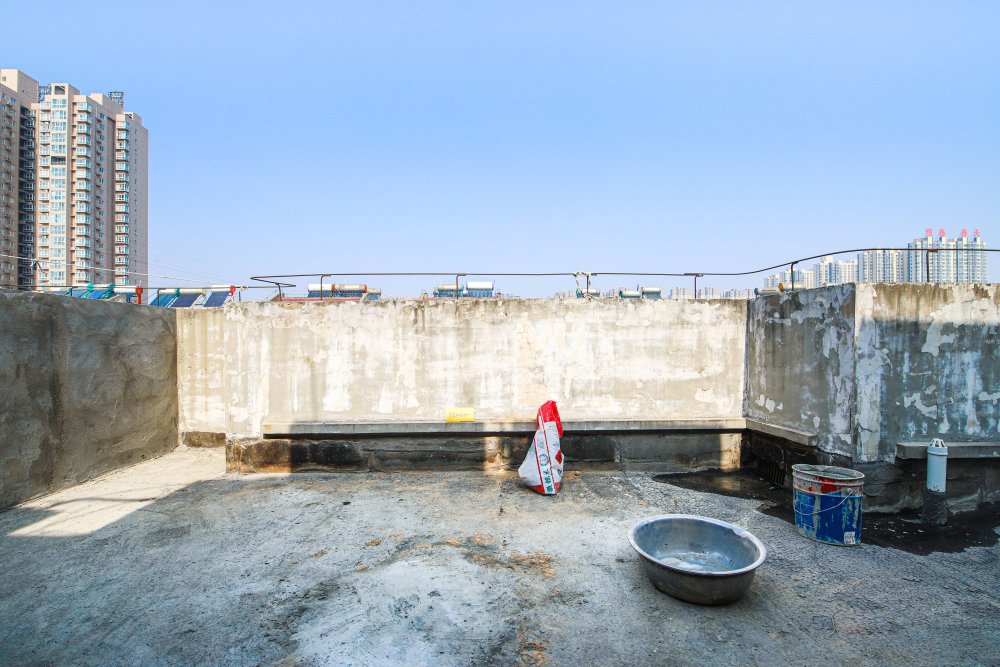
x=903, y=531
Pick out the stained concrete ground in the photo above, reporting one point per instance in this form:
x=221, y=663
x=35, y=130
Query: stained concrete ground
x=176, y=562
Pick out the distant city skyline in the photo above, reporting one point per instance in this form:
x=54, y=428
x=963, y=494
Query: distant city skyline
x=517, y=137
x=932, y=258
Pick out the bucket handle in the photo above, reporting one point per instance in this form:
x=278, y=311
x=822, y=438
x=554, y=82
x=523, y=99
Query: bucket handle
x=846, y=498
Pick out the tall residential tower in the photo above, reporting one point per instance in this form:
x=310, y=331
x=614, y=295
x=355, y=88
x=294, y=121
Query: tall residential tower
x=944, y=260
x=18, y=92
x=87, y=189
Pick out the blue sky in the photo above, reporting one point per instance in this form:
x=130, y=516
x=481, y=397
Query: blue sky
x=298, y=137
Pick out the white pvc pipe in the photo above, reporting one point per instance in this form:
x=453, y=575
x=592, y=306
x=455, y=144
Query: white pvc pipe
x=937, y=465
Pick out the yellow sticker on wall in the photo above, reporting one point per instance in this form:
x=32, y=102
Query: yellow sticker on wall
x=460, y=415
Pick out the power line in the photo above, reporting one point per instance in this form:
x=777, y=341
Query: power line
x=191, y=259
x=196, y=274
x=49, y=262
x=280, y=281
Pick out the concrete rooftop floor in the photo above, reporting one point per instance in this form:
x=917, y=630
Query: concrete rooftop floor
x=176, y=562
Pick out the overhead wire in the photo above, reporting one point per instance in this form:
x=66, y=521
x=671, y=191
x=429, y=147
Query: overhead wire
x=50, y=262
x=205, y=265
x=280, y=280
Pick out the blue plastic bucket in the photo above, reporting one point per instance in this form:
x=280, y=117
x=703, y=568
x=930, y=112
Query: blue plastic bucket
x=827, y=503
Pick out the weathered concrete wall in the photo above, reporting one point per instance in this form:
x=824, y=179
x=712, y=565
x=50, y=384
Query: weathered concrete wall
x=866, y=366
x=412, y=360
x=85, y=387
x=928, y=366
x=860, y=367
x=203, y=401
x=800, y=363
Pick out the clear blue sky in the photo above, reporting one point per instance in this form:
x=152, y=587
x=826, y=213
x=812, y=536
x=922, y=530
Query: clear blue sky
x=292, y=137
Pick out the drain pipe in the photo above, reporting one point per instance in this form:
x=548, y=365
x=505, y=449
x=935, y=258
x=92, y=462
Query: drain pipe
x=935, y=498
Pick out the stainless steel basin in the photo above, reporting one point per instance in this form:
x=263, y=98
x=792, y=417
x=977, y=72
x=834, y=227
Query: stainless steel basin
x=697, y=559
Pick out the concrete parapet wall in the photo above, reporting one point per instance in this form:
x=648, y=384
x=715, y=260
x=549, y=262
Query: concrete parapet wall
x=928, y=366
x=411, y=360
x=95, y=385
x=843, y=372
x=800, y=363
x=85, y=387
x=866, y=366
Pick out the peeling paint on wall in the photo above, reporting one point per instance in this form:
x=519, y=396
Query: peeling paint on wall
x=865, y=366
x=983, y=396
x=411, y=360
x=938, y=352
x=860, y=366
x=800, y=363
x=915, y=400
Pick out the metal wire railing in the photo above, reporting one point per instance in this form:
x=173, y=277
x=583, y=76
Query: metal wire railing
x=281, y=281
x=583, y=279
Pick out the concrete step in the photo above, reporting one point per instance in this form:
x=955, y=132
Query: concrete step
x=667, y=451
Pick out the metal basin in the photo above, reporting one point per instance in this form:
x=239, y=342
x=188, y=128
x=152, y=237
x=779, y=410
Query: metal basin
x=697, y=559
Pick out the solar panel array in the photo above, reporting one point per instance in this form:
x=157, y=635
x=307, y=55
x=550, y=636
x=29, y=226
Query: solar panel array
x=449, y=290
x=342, y=291
x=647, y=293
x=216, y=299
x=163, y=299
x=184, y=300
x=652, y=293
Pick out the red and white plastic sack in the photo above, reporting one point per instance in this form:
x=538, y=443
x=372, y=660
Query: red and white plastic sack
x=543, y=466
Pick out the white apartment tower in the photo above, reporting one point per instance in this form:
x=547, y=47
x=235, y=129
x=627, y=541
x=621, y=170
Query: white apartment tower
x=801, y=279
x=881, y=266
x=18, y=92
x=933, y=267
x=944, y=260
x=831, y=272
x=970, y=261
x=87, y=190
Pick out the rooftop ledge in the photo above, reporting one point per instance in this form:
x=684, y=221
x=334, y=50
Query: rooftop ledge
x=279, y=428
x=956, y=450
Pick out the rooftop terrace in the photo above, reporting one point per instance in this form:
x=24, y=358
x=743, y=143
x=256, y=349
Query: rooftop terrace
x=175, y=561
x=124, y=544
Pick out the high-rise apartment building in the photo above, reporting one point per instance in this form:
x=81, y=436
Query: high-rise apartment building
x=17, y=178
x=935, y=259
x=933, y=266
x=832, y=272
x=799, y=278
x=826, y=272
x=970, y=261
x=938, y=259
x=881, y=266
x=88, y=188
